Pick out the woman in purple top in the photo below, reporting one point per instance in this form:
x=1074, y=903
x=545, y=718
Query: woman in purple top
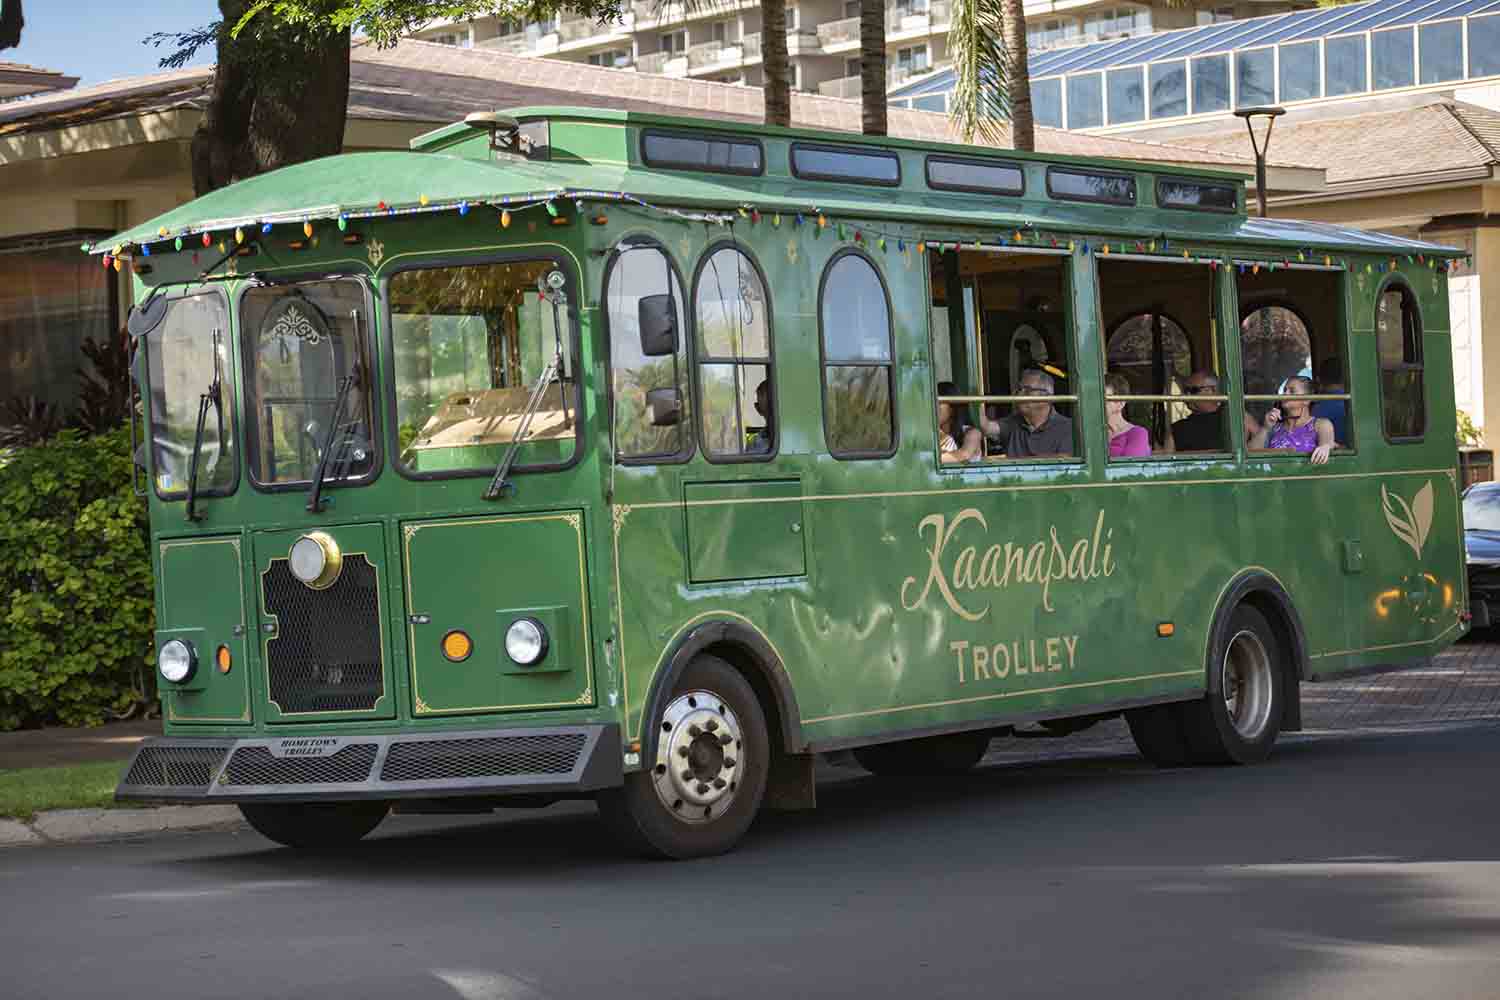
x=1292, y=426
x=1126, y=440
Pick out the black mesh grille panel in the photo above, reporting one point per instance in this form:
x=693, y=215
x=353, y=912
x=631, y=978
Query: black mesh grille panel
x=326, y=654
x=257, y=766
x=177, y=766
x=432, y=760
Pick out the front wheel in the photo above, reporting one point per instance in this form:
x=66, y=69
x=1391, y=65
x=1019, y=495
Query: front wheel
x=705, y=786
x=314, y=825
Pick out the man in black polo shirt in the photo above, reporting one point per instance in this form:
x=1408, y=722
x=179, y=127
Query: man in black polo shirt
x=1200, y=430
x=1034, y=430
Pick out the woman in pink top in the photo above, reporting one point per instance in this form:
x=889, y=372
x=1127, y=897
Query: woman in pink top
x=1126, y=440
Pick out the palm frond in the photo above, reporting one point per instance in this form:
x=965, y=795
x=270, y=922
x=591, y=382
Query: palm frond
x=979, y=104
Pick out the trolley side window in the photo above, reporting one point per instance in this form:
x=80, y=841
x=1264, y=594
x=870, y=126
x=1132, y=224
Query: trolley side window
x=855, y=321
x=1398, y=334
x=644, y=303
x=733, y=326
x=472, y=344
x=183, y=356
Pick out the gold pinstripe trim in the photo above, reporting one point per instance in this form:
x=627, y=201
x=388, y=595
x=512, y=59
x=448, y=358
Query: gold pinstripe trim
x=409, y=531
x=1390, y=645
x=1030, y=488
x=994, y=697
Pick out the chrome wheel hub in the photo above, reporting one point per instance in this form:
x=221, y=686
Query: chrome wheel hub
x=1247, y=683
x=697, y=768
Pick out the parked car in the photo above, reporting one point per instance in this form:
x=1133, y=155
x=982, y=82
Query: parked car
x=1482, y=548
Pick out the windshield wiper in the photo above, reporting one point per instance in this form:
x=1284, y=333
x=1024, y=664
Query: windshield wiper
x=553, y=294
x=315, y=495
x=213, y=397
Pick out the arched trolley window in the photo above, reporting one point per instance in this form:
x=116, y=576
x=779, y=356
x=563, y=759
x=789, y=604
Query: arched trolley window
x=644, y=305
x=854, y=319
x=733, y=326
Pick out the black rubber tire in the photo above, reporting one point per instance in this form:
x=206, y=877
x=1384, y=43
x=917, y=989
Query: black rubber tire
x=644, y=824
x=314, y=825
x=1157, y=731
x=1210, y=733
x=956, y=753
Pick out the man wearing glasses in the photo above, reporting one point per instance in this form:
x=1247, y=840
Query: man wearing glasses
x=1033, y=430
x=1200, y=430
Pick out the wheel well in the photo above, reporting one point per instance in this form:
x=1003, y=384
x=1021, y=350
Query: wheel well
x=751, y=669
x=1275, y=607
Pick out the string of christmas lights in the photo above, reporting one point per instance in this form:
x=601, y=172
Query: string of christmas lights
x=858, y=232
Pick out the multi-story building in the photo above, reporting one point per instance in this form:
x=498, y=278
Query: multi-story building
x=720, y=39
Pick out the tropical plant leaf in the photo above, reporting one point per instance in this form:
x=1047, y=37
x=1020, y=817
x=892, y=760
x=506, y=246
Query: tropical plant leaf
x=1399, y=520
x=1421, y=515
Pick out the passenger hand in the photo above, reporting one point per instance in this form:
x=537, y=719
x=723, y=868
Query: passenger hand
x=1320, y=453
x=1273, y=416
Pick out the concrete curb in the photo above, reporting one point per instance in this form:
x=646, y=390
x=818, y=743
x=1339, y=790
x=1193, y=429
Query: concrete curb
x=71, y=826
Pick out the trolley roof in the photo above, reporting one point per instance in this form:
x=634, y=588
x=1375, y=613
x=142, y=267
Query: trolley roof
x=596, y=154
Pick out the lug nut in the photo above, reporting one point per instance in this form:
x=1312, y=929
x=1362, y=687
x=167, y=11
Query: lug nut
x=728, y=761
x=693, y=730
x=711, y=725
x=720, y=783
x=702, y=789
x=725, y=739
x=682, y=751
x=687, y=775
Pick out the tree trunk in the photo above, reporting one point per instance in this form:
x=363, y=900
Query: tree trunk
x=279, y=97
x=11, y=23
x=1018, y=78
x=777, y=67
x=872, y=66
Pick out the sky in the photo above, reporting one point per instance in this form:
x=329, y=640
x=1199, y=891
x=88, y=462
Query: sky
x=98, y=40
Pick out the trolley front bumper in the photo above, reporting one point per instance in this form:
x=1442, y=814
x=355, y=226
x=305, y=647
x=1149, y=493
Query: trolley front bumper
x=489, y=762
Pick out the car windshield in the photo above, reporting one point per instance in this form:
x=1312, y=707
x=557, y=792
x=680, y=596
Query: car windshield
x=470, y=344
x=180, y=361
x=300, y=342
x=1482, y=510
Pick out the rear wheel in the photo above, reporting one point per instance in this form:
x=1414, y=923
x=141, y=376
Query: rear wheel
x=951, y=754
x=705, y=786
x=314, y=824
x=1238, y=721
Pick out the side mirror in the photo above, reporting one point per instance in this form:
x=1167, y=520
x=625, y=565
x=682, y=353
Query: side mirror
x=146, y=316
x=664, y=406
x=658, y=322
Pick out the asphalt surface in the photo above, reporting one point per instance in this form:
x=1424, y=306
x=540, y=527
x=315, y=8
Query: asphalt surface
x=1363, y=860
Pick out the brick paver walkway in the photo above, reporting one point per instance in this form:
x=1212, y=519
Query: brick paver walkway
x=1459, y=685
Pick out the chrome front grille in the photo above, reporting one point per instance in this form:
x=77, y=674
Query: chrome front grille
x=326, y=655
x=436, y=760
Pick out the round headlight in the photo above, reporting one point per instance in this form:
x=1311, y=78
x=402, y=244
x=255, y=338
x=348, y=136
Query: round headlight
x=315, y=560
x=176, y=660
x=526, y=641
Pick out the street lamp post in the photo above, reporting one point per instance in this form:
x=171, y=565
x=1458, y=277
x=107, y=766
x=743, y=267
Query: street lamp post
x=1270, y=114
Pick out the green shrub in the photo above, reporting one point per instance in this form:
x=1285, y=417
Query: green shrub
x=75, y=582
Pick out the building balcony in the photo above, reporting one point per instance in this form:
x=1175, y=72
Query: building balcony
x=511, y=45
x=845, y=86
x=840, y=31
x=709, y=54
x=663, y=63
x=583, y=27
x=897, y=75
x=900, y=20
x=651, y=14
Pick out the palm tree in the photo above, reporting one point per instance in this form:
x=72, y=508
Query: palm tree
x=775, y=65
x=991, y=84
x=872, y=89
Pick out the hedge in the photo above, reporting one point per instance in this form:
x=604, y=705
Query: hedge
x=75, y=575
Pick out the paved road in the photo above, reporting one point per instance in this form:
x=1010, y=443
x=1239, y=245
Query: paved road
x=1363, y=860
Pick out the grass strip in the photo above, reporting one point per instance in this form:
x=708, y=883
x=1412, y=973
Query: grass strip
x=31, y=790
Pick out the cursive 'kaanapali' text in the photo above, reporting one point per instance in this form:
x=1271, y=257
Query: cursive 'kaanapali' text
x=997, y=566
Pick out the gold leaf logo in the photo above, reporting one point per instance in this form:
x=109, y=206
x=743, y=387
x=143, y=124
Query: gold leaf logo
x=1409, y=521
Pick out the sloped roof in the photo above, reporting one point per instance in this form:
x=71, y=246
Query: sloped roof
x=426, y=82
x=1438, y=137
x=21, y=80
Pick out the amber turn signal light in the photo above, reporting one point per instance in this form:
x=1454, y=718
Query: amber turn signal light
x=457, y=646
x=223, y=659
x=1165, y=629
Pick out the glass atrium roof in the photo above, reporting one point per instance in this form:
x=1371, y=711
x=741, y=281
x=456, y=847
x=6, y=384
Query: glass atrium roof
x=1281, y=58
